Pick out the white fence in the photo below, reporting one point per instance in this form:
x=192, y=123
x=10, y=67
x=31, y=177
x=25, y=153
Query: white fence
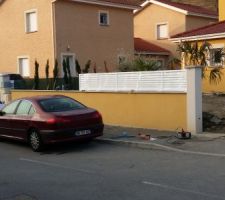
x=147, y=81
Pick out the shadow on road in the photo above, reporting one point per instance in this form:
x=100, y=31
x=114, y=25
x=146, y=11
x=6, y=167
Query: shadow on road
x=58, y=149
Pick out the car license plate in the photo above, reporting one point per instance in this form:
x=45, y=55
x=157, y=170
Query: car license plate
x=83, y=132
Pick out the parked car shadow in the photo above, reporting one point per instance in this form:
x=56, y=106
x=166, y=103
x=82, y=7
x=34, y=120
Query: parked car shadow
x=68, y=147
x=57, y=149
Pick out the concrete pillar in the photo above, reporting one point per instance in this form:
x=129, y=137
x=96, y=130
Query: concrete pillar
x=194, y=99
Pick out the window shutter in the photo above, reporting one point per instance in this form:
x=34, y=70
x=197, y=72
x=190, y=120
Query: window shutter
x=31, y=21
x=162, y=31
x=24, y=67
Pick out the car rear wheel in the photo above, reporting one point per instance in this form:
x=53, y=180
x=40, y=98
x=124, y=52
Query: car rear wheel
x=35, y=141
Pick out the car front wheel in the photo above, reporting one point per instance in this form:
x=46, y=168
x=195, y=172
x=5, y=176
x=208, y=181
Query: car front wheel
x=35, y=141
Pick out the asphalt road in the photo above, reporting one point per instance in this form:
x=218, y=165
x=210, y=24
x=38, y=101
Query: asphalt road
x=98, y=171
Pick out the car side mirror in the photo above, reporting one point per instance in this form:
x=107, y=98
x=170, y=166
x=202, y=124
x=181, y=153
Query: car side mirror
x=2, y=113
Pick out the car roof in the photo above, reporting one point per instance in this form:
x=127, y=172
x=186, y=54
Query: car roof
x=41, y=97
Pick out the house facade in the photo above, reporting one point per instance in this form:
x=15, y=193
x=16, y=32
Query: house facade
x=215, y=35
x=158, y=20
x=47, y=30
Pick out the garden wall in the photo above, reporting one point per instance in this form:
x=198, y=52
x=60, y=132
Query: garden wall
x=162, y=111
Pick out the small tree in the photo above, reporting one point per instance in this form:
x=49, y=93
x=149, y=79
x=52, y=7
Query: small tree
x=65, y=77
x=95, y=68
x=106, y=68
x=78, y=68
x=195, y=54
x=69, y=72
x=87, y=66
x=55, y=74
x=47, y=74
x=36, y=75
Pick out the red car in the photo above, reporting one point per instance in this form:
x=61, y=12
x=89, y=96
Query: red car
x=42, y=120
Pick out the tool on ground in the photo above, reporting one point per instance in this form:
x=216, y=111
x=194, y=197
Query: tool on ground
x=184, y=134
x=144, y=136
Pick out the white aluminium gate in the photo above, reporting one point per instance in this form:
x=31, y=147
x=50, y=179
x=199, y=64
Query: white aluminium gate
x=147, y=81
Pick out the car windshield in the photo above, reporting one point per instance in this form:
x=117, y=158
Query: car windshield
x=59, y=104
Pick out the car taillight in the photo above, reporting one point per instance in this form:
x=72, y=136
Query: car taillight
x=57, y=121
x=97, y=115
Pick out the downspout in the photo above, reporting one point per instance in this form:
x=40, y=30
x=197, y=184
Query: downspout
x=54, y=30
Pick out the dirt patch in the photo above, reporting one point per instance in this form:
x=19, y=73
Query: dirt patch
x=214, y=113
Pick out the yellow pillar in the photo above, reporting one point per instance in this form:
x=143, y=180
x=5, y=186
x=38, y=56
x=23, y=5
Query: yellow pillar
x=221, y=10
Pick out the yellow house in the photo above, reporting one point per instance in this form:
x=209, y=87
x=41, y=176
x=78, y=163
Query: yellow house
x=100, y=31
x=215, y=35
x=158, y=20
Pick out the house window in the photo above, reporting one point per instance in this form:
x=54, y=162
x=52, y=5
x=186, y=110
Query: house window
x=216, y=57
x=24, y=68
x=31, y=21
x=104, y=18
x=162, y=31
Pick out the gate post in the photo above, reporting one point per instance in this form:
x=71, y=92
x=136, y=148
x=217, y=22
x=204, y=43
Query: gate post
x=194, y=99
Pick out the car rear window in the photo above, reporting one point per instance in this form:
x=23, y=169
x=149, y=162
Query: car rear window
x=59, y=104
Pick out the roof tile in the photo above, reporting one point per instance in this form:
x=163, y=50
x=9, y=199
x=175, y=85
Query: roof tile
x=190, y=8
x=141, y=45
x=215, y=28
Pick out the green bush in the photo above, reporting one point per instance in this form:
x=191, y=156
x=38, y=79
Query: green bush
x=43, y=82
x=139, y=64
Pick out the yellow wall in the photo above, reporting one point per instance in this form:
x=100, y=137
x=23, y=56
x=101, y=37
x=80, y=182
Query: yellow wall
x=208, y=87
x=87, y=39
x=150, y=110
x=212, y=87
x=221, y=10
x=16, y=42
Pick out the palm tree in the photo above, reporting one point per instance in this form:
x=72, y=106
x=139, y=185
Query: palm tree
x=196, y=54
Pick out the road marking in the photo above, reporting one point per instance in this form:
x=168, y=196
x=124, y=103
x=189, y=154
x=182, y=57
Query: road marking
x=182, y=190
x=190, y=152
x=57, y=166
x=163, y=147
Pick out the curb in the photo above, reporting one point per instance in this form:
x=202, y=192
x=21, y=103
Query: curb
x=144, y=145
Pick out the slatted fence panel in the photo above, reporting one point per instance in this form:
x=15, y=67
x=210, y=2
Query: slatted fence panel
x=148, y=81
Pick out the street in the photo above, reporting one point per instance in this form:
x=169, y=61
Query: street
x=101, y=171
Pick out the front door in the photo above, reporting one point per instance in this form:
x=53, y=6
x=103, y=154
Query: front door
x=71, y=59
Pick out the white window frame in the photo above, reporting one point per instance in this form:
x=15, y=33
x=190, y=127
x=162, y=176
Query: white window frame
x=26, y=22
x=156, y=32
x=210, y=59
x=18, y=65
x=74, y=73
x=99, y=17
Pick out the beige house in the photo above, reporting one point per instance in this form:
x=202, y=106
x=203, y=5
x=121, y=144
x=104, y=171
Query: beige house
x=157, y=20
x=100, y=30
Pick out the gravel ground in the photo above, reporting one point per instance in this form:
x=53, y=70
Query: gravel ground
x=214, y=113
